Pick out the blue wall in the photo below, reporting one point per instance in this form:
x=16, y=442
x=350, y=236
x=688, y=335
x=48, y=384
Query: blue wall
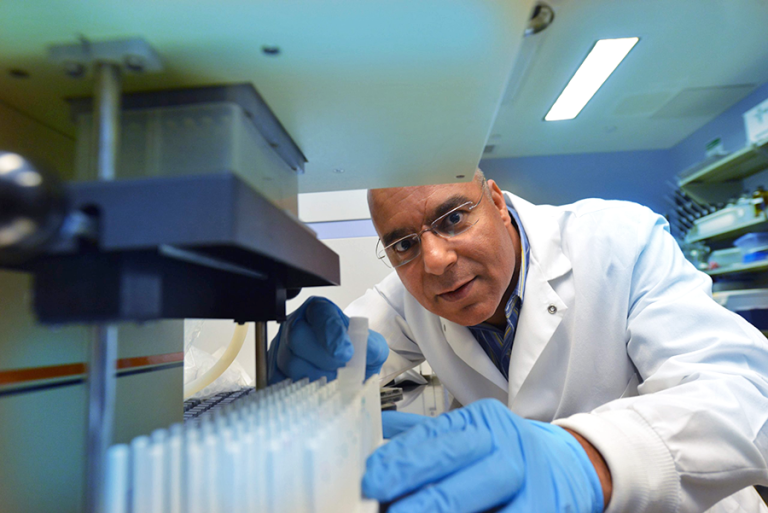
x=639, y=176
x=559, y=179
x=344, y=229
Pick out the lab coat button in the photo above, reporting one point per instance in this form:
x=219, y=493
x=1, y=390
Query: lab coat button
x=552, y=309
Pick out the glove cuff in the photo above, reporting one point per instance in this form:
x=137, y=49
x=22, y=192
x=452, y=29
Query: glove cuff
x=642, y=469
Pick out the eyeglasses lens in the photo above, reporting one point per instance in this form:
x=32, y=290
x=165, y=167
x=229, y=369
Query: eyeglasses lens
x=450, y=224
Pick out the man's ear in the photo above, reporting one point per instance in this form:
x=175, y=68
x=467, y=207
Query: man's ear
x=498, y=199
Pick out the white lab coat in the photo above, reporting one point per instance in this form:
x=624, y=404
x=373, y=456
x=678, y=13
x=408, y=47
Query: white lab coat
x=619, y=340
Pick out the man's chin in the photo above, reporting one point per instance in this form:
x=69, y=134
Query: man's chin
x=471, y=315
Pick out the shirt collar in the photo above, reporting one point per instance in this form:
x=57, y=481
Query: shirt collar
x=519, y=292
x=524, y=257
x=525, y=252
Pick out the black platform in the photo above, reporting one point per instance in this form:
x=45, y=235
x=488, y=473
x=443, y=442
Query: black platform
x=186, y=247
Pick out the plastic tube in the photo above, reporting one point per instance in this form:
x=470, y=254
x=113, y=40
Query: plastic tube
x=174, y=476
x=116, y=496
x=196, y=486
x=212, y=374
x=140, y=474
x=291, y=448
x=351, y=376
x=156, y=479
x=213, y=464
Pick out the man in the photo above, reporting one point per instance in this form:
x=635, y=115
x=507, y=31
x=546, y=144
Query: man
x=595, y=369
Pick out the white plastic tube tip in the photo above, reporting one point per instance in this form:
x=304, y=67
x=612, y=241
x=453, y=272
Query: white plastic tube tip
x=353, y=373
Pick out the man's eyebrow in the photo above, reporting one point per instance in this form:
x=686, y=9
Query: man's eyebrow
x=394, y=235
x=448, y=205
x=443, y=208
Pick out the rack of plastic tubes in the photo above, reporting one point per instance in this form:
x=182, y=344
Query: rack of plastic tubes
x=291, y=448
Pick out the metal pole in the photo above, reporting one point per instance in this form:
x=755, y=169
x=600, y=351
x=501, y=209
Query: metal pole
x=106, y=119
x=260, y=328
x=101, y=407
x=101, y=368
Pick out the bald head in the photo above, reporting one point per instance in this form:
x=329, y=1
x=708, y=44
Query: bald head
x=377, y=197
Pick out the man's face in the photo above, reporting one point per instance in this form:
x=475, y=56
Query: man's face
x=467, y=278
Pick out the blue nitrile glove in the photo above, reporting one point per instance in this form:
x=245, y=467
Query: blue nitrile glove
x=395, y=422
x=483, y=456
x=313, y=342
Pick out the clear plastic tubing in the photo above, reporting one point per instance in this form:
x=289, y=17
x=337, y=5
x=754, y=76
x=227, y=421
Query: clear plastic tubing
x=223, y=363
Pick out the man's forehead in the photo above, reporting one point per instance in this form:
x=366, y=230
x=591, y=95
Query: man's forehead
x=398, y=211
x=416, y=198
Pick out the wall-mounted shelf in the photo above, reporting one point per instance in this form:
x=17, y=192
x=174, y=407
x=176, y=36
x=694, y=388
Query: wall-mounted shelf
x=731, y=232
x=747, y=161
x=743, y=300
x=738, y=213
x=721, y=181
x=752, y=267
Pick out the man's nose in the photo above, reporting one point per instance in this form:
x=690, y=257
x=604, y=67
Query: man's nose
x=437, y=253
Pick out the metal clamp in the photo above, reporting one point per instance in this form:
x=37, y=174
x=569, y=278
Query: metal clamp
x=130, y=55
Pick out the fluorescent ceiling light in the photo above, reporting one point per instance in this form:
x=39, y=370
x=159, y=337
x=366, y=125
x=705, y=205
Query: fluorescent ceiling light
x=605, y=56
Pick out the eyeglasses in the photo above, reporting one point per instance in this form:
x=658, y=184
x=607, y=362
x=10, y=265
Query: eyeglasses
x=450, y=224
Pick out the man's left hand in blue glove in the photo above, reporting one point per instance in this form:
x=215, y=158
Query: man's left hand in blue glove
x=313, y=342
x=481, y=456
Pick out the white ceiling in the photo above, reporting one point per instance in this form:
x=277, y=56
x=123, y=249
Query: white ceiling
x=695, y=58
x=396, y=92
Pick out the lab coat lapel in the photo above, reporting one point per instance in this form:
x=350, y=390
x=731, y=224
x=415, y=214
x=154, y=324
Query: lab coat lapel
x=535, y=327
x=542, y=309
x=448, y=348
x=468, y=349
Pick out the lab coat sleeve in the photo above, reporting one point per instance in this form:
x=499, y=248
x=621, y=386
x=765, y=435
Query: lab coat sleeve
x=696, y=433
x=383, y=306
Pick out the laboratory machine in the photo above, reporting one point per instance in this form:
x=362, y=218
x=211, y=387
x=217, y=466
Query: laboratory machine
x=152, y=158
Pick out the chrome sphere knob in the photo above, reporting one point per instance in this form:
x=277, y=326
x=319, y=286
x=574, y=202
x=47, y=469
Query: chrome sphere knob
x=32, y=208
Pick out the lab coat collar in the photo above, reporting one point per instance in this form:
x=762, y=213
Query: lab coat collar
x=465, y=346
x=542, y=227
x=543, y=309
x=540, y=316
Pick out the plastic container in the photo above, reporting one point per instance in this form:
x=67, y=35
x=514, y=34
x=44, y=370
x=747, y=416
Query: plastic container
x=725, y=258
x=193, y=139
x=756, y=124
x=756, y=256
x=725, y=220
x=753, y=246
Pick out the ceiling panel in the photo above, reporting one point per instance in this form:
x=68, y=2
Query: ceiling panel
x=702, y=101
x=707, y=54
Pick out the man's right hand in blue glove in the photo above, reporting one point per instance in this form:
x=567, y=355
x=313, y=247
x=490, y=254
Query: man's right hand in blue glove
x=313, y=342
x=482, y=456
x=395, y=422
